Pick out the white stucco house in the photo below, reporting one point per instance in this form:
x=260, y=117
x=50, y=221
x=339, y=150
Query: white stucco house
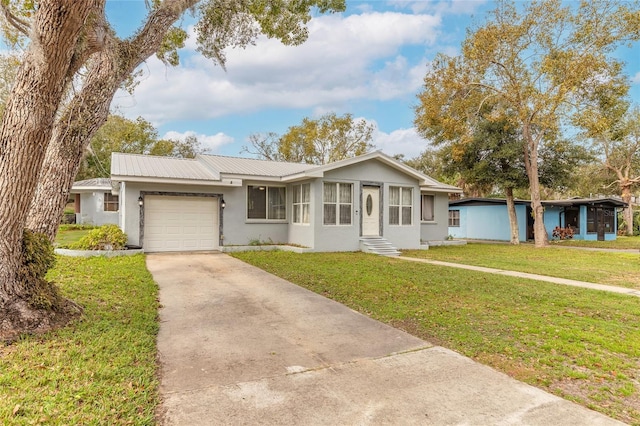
x=215, y=202
x=95, y=202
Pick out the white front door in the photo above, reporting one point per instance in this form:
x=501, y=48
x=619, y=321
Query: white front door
x=370, y=211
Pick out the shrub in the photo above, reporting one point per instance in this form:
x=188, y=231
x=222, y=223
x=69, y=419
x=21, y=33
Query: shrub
x=563, y=233
x=37, y=258
x=106, y=237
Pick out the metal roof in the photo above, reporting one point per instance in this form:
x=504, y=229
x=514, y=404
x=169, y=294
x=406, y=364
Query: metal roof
x=206, y=168
x=96, y=183
x=252, y=166
x=160, y=167
x=561, y=203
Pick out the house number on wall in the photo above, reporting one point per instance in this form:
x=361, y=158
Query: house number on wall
x=369, y=205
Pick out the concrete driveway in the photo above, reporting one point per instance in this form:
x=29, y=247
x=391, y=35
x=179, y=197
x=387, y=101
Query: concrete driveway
x=239, y=346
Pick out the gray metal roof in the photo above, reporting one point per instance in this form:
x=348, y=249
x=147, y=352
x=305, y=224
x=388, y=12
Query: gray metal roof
x=160, y=167
x=252, y=166
x=212, y=167
x=96, y=183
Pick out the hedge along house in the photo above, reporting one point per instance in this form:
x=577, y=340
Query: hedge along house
x=94, y=202
x=487, y=218
x=212, y=202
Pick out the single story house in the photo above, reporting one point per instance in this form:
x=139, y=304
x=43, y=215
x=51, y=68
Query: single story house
x=95, y=203
x=487, y=218
x=209, y=202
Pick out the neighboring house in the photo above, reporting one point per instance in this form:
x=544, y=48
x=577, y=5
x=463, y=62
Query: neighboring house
x=95, y=203
x=487, y=218
x=206, y=203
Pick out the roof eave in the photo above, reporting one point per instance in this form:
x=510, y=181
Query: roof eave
x=178, y=181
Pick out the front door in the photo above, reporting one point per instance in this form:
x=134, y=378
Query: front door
x=600, y=223
x=370, y=211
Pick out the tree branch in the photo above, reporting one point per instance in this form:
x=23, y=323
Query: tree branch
x=19, y=24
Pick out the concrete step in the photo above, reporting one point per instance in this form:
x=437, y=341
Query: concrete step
x=378, y=245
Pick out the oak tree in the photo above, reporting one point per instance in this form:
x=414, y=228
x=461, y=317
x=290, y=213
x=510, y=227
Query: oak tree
x=316, y=141
x=73, y=64
x=534, y=59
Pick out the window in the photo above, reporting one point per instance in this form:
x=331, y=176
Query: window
x=454, y=218
x=301, y=203
x=427, y=208
x=572, y=218
x=400, y=205
x=110, y=202
x=336, y=199
x=266, y=202
x=603, y=217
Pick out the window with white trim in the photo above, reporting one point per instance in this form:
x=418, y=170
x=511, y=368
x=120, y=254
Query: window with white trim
x=454, y=218
x=337, y=203
x=427, y=208
x=400, y=205
x=110, y=202
x=266, y=202
x=301, y=203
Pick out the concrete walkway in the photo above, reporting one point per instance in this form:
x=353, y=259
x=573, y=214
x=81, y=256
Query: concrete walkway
x=239, y=346
x=555, y=280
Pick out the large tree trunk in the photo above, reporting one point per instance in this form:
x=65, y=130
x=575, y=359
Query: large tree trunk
x=513, y=218
x=628, y=211
x=26, y=129
x=541, y=238
x=88, y=110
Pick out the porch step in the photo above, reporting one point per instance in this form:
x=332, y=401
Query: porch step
x=378, y=245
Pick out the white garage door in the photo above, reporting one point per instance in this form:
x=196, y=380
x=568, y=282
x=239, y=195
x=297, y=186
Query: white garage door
x=180, y=223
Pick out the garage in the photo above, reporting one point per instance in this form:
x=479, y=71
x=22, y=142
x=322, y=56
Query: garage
x=180, y=223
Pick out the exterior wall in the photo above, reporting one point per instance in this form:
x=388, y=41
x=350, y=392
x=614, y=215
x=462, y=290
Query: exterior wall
x=489, y=222
x=92, y=210
x=236, y=228
x=347, y=237
x=303, y=234
x=438, y=229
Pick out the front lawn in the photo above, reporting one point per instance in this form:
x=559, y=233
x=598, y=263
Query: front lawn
x=621, y=242
x=581, y=344
x=613, y=268
x=68, y=234
x=100, y=370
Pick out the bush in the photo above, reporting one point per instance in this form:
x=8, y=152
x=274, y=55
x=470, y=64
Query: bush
x=37, y=258
x=106, y=237
x=563, y=233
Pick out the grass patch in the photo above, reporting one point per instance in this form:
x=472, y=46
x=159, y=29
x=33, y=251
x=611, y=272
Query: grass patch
x=622, y=242
x=100, y=370
x=581, y=344
x=613, y=268
x=69, y=234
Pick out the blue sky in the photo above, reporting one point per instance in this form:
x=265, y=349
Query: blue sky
x=368, y=61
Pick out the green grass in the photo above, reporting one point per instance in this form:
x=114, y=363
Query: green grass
x=581, y=344
x=622, y=242
x=68, y=234
x=612, y=268
x=100, y=370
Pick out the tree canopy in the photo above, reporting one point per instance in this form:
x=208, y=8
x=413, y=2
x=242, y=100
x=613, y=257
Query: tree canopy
x=533, y=61
x=316, y=141
x=120, y=134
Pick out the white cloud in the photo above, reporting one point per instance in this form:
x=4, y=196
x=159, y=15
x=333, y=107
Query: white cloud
x=210, y=143
x=347, y=58
x=401, y=141
x=636, y=78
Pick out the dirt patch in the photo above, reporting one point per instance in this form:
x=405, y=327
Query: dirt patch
x=20, y=318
